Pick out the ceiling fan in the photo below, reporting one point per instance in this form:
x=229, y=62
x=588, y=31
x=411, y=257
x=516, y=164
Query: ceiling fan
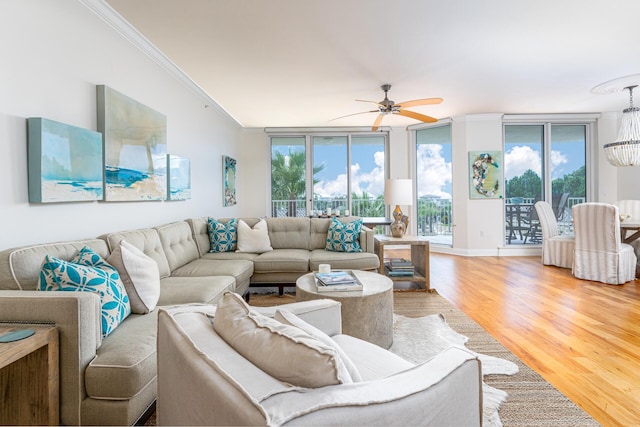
x=386, y=106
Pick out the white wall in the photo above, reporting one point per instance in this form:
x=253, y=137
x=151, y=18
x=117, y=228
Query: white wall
x=54, y=53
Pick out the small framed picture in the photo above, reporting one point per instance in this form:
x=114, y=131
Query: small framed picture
x=485, y=175
x=228, y=181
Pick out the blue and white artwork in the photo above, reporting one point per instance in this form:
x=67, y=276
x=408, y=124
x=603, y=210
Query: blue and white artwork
x=179, y=177
x=135, y=148
x=64, y=162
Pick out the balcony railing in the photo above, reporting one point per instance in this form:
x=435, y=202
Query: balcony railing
x=433, y=219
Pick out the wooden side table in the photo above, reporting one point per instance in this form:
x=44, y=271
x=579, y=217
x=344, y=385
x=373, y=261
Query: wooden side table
x=29, y=383
x=419, y=257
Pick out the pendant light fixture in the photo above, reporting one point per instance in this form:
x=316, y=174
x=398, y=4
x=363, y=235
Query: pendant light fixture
x=625, y=150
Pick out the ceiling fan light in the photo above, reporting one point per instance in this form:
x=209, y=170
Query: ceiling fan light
x=625, y=150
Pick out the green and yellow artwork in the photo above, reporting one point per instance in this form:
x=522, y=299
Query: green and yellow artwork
x=485, y=174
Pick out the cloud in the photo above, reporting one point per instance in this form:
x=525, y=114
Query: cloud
x=520, y=159
x=434, y=175
x=371, y=182
x=433, y=171
x=558, y=160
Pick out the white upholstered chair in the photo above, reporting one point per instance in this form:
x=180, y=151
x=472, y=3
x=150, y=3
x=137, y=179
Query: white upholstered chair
x=556, y=249
x=599, y=253
x=631, y=208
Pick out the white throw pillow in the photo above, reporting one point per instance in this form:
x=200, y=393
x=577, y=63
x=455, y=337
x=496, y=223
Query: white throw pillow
x=254, y=240
x=140, y=276
x=285, y=352
x=288, y=318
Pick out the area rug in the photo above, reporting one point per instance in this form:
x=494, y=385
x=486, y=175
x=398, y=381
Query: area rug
x=421, y=338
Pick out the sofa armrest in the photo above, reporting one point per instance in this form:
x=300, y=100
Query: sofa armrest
x=444, y=391
x=324, y=314
x=77, y=317
x=366, y=239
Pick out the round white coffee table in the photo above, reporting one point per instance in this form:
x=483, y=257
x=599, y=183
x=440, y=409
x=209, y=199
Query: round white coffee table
x=366, y=314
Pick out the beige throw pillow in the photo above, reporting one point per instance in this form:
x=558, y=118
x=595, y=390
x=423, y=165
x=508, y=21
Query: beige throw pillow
x=254, y=240
x=140, y=276
x=285, y=352
x=288, y=318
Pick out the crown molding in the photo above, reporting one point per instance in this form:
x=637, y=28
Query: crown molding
x=105, y=12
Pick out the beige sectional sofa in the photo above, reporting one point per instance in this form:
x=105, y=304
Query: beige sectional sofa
x=112, y=380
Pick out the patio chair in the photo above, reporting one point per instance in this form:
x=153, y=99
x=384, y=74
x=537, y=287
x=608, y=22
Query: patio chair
x=556, y=249
x=599, y=252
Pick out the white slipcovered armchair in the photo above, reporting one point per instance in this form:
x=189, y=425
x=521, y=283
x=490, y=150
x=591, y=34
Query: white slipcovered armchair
x=205, y=380
x=556, y=249
x=599, y=252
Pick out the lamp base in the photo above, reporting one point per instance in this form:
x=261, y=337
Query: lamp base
x=399, y=226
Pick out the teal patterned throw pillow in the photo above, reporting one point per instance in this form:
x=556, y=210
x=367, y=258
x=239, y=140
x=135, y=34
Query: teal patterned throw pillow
x=344, y=236
x=88, y=272
x=223, y=237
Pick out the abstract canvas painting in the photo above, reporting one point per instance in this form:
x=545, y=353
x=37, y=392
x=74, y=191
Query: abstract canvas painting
x=135, y=148
x=485, y=174
x=179, y=177
x=228, y=181
x=64, y=162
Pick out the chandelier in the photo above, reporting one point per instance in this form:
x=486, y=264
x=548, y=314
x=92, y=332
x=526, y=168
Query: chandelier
x=625, y=151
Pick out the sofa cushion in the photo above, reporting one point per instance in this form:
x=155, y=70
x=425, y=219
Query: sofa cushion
x=88, y=272
x=289, y=318
x=178, y=244
x=344, y=236
x=147, y=240
x=223, y=237
x=126, y=361
x=139, y=274
x=239, y=268
x=254, y=240
x=282, y=260
x=373, y=362
x=289, y=233
x=343, y=260
x=190, y=290
x=285, y=352
x=20, y=267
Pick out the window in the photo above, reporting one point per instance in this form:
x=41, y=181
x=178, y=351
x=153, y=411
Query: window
x=342, y=172
x=542, y=162
x=434, y=184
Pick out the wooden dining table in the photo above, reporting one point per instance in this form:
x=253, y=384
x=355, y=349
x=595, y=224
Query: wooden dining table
x=630, y=224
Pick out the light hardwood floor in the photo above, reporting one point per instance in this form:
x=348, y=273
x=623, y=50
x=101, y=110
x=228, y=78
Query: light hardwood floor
x=583, y=337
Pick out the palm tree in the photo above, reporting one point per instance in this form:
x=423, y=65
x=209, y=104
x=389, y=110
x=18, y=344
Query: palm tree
x=288, y=178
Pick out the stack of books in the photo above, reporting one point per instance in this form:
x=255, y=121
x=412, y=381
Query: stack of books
x=337, y=281
x=399, y=267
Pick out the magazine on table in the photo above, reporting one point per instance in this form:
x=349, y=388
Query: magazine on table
x=337, y=281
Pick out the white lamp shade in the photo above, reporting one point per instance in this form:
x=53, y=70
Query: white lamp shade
x=398, y=192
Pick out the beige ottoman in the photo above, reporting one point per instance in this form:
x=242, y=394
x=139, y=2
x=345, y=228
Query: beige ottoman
x=366, y=314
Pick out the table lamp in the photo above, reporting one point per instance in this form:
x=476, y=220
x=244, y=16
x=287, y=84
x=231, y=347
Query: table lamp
x=398, y=192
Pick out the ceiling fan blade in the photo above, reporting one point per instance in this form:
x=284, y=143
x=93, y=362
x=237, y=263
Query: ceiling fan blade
x=416, y=102
x=372, y=102
x=355, y=114
x=417, y=116
x=376, y=123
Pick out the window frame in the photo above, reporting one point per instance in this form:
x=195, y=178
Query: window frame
x=309, y=135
